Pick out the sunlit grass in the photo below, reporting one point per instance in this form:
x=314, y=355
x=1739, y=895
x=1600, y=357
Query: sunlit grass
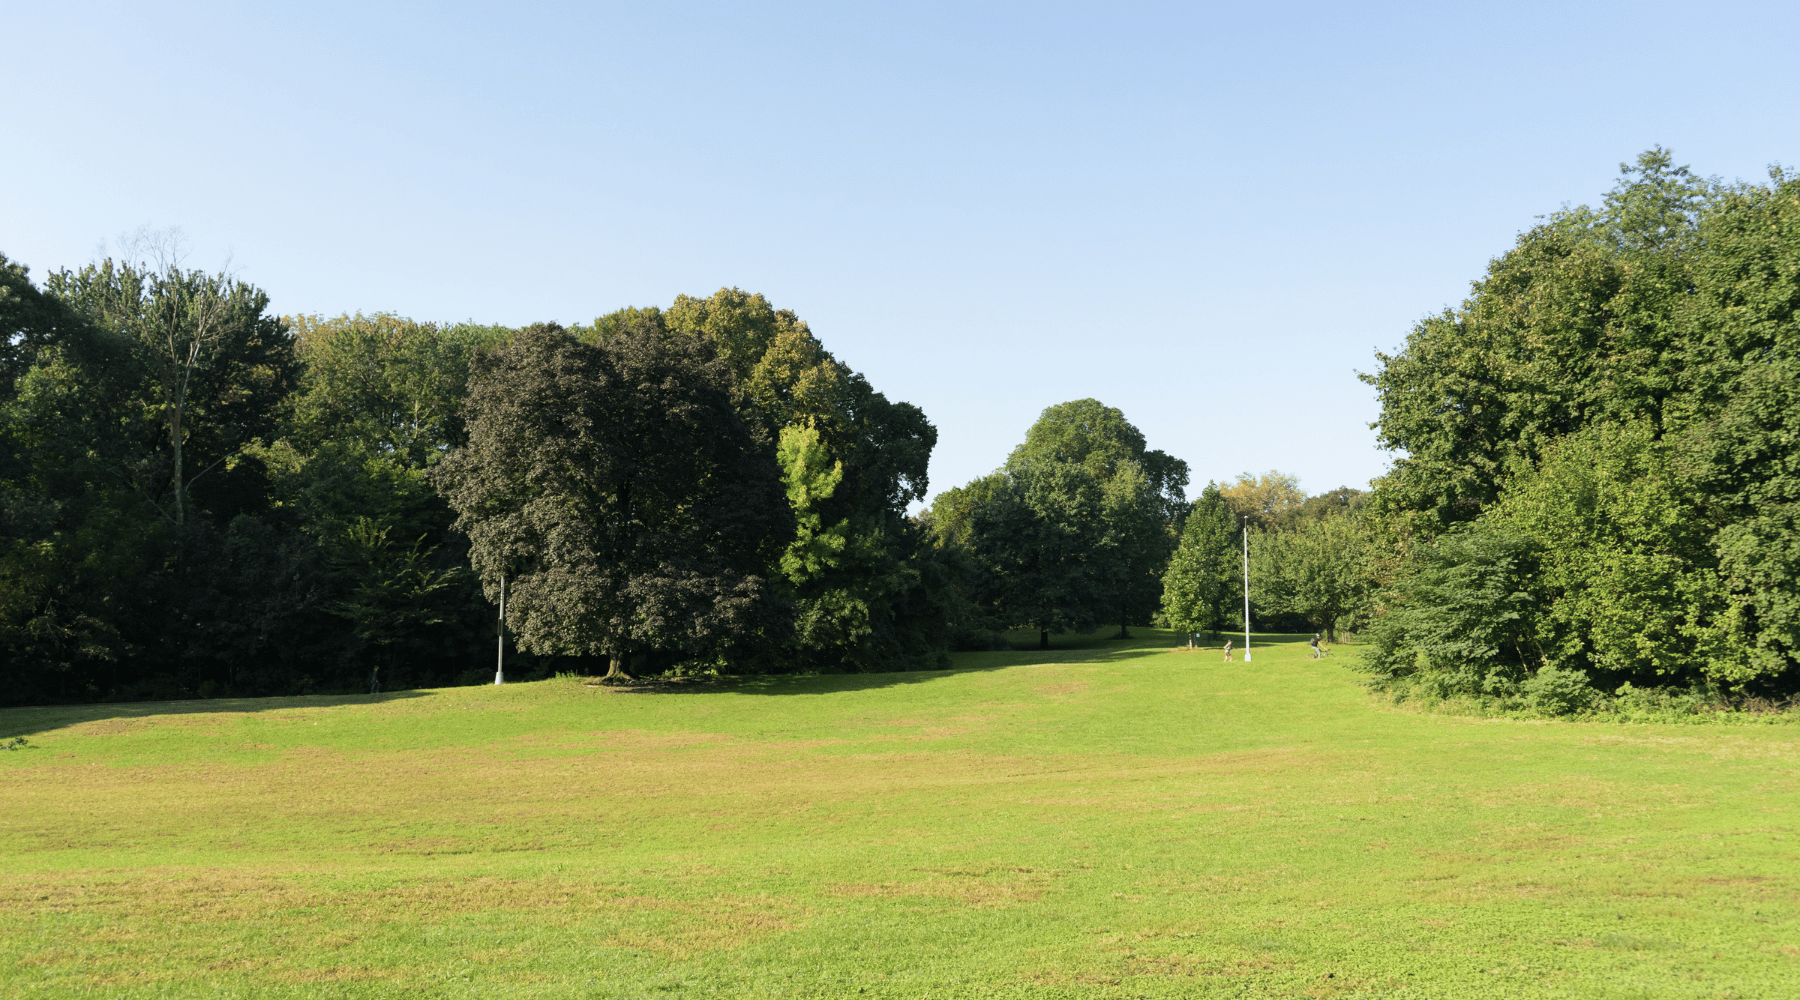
x=1108, y=818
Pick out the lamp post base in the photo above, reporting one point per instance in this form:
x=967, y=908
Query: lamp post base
x=499, y=678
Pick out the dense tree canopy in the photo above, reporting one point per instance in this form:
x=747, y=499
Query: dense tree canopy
x=619, y=489
x=198, y=498
x=1614, y=405
x=1073, y=530
x=1596, y=486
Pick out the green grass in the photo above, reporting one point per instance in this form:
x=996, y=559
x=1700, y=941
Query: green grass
x=1113, y=819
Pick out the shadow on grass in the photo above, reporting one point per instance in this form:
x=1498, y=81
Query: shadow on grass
x=1095, y=647
x=34, y=719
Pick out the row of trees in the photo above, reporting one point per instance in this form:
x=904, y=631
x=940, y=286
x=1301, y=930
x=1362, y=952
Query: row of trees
x=1084, y=526
x=1596, y=487
x=198, y=497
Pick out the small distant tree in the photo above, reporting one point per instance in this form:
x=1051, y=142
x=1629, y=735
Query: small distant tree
x=1323, y=570
x=1201, y=585
x=1267, y=499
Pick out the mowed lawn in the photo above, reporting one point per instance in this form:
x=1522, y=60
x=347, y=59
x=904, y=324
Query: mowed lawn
x=1107, y=819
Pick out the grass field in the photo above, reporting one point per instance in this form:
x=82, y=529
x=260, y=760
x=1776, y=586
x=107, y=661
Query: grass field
x=1110, y=819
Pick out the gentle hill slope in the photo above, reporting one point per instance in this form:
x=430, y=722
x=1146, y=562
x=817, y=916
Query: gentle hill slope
x=1114, y=819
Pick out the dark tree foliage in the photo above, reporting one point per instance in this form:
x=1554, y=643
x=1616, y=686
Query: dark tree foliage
x=1041, y=546
x=620, y=492
x=199, y=499
x=884, y=601
x=1106, y=568
x=1145, y=497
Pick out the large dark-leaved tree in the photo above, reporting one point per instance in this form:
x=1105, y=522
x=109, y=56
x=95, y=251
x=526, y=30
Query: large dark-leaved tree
x=618, y=489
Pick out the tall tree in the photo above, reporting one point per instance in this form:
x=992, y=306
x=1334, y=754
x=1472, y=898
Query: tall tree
x=619, y=490
x=1202, y=585
x=1145, y=495
x=215, y=366
x=1041, y=544
x=1097, y=437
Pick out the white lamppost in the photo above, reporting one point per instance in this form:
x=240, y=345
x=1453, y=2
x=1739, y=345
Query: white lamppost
x=500, y=637
x=1246, y=588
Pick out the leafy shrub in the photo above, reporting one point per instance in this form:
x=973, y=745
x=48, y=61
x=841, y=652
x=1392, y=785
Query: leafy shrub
x=1559, y=691
x=1459, y=619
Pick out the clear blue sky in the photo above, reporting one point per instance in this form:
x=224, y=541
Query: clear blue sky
x=1209, y=216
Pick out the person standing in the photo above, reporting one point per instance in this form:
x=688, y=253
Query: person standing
x=1227, y=650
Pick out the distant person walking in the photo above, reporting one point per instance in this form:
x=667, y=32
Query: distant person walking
x=1227, y=650
x=1315, y=646
x=375, y=681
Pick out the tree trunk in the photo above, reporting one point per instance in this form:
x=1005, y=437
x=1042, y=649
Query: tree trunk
x=1043, y=638
x=1331, y=631
x=616, y=667
x=175, y=447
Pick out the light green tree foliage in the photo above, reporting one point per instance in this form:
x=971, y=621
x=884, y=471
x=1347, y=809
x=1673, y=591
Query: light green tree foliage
x=779, y=365
x=811, y=478
x=1740, y=432
x=385, y=385
x=1619, y=394
x=1322, y=569
x=1202, y=585
x=1097, y=437
x=1461, y=616
x=1575, y=325
x=1266, y=501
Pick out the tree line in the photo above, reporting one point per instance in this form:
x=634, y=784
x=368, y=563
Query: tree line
x=200, y=498
x=1084, y=526
x=1595, y=488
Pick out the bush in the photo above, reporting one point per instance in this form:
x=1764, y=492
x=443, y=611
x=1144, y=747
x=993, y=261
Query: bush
x=1559, y=691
